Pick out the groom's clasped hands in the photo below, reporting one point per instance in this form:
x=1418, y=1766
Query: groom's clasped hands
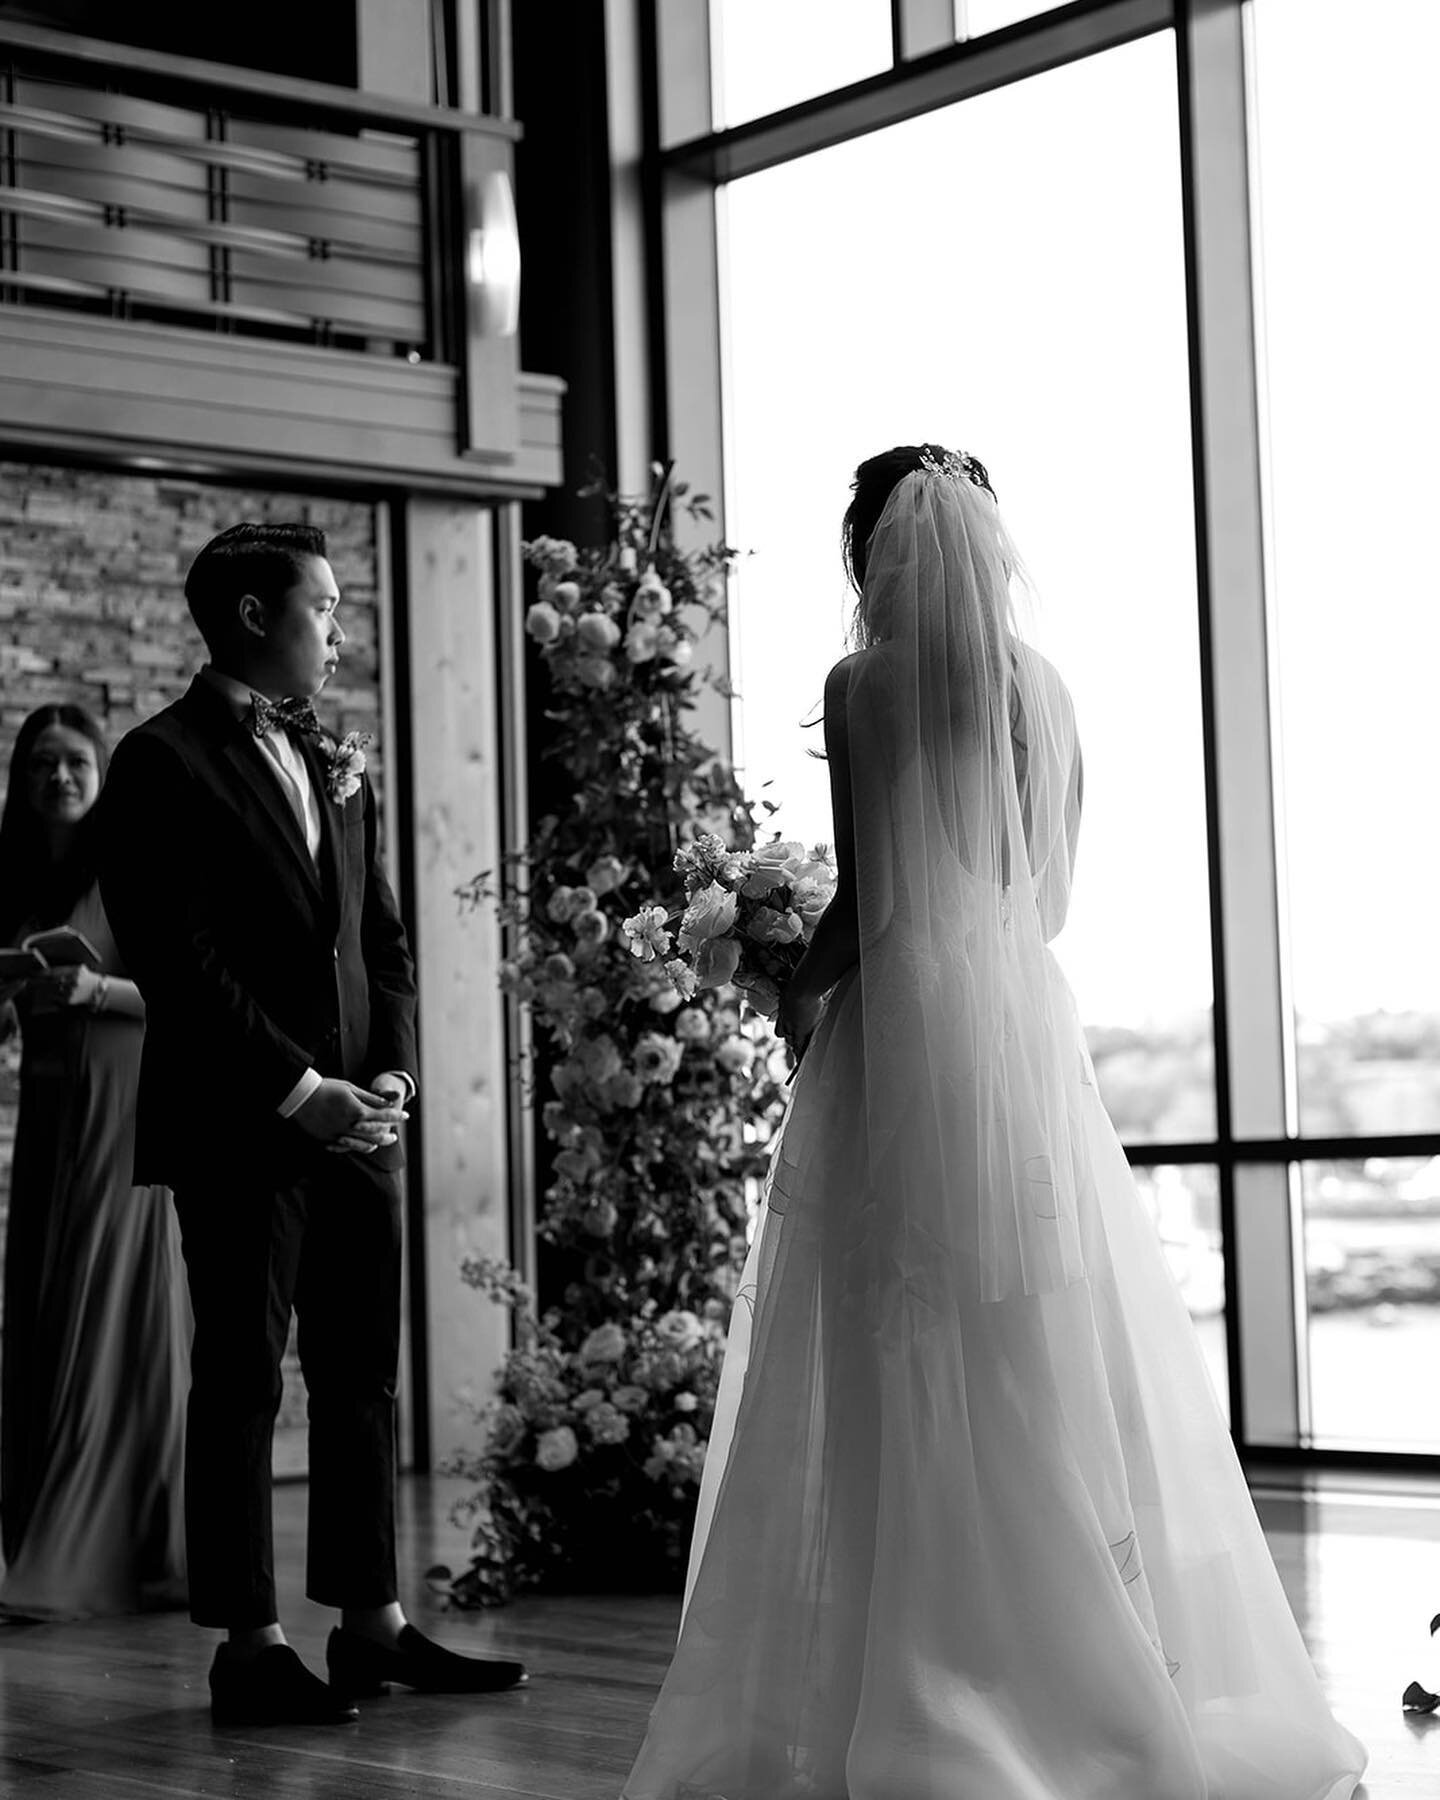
x=344, y=1117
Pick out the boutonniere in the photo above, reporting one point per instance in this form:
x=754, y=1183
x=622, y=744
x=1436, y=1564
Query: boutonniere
x=344, y=763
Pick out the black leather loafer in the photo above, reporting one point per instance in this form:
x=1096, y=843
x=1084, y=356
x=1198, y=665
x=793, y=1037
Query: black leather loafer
x=361, y=1667
x=273, y=1688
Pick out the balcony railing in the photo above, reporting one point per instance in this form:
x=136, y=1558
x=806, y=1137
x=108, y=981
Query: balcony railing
x=139, y=193
x=358, y=253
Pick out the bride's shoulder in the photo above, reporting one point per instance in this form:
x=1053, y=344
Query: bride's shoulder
x=859, y=663
x=1039, y=668
x=841, y=672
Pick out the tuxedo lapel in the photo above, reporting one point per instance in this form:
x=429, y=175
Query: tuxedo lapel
x=241, y=757
x=332, y=821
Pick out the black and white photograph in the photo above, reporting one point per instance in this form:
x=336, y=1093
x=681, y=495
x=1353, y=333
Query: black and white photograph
x=719, y=968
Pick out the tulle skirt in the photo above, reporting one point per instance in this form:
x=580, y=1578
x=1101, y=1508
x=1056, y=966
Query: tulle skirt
x=951, y=1548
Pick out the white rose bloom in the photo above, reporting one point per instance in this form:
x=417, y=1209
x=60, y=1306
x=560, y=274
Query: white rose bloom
x=605, y=874
x=605, y=1344
x=692, y=1026
x=736, y=1054
x=716, y=961
x=710, y=914
x=543, y=623
x=597, y=631
x=556, y=1449
x=680, y=1329
x=784, y=853
x=642, y=641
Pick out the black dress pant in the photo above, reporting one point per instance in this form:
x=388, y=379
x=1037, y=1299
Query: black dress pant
x=328, y=1248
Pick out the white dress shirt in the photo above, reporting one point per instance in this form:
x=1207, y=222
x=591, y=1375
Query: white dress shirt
x=290, y=770
x=287, y=765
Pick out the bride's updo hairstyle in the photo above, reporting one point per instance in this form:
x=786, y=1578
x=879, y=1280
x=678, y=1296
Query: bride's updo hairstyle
x=875, y=480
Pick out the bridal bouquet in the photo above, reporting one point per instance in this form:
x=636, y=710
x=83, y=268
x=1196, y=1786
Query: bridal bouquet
x=748, y=917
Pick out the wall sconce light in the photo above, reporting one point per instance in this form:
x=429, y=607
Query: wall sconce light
x=492, y=257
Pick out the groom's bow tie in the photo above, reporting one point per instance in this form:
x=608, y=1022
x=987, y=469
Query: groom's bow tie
x=281, y=715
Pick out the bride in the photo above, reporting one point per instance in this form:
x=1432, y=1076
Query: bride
x=971, y=1524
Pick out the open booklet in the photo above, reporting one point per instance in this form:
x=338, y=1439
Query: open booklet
x=63, y=947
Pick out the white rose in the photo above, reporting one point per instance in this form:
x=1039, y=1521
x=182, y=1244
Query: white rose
x=651, y=602
x=716, y=961
x=692, y=1026
x=763, y=880
x=565, y=1077
x=591, y=927
x=736, y=1054
x=685, y=1403
x=565, y=594
x=810, y=897
x=556, y=1449
x=642, y=641
x=556, y=555
x=625, y=1089
x=784, y=853
x=595, y=672
x=680, y=1329
x=771, y=926
x=597, y=631
x=599, y=1057
x=543, y=623
x=605, y=1344
x=653, y=591
x=605, y=874
x=657, y=1057
x=710, y=914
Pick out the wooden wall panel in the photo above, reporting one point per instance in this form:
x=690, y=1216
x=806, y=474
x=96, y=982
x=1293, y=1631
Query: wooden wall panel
x=463, y=1098
x=109, y=385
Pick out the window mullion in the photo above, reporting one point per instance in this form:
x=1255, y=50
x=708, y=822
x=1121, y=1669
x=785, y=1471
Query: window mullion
x=1249, y=1001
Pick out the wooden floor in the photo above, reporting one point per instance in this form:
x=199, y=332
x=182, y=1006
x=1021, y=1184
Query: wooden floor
x=117, y=1710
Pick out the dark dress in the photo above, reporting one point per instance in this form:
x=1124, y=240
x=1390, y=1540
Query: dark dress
x=96, y=1330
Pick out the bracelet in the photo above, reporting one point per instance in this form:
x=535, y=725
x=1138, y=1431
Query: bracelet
x=101, y=994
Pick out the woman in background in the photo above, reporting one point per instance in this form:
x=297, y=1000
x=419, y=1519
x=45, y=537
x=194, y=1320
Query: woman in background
x=95, y=1324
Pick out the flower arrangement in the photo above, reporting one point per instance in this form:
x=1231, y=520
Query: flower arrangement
x=747, y=919
x=594, y=1451
x=657, y=1105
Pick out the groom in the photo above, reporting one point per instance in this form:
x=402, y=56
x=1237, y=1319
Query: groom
x=241, y=875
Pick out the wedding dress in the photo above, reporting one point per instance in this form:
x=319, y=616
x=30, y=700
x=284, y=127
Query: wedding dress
x=971, y=1526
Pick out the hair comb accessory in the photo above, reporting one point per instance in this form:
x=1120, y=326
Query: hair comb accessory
x=959, y=465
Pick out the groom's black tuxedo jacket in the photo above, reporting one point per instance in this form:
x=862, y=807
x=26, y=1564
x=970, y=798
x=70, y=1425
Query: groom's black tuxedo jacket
x=254, y=964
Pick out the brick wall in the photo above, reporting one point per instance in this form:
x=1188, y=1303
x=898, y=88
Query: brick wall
x=92, y=566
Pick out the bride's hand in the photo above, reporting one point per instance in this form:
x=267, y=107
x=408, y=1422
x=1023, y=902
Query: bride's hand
x=797, y=1016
